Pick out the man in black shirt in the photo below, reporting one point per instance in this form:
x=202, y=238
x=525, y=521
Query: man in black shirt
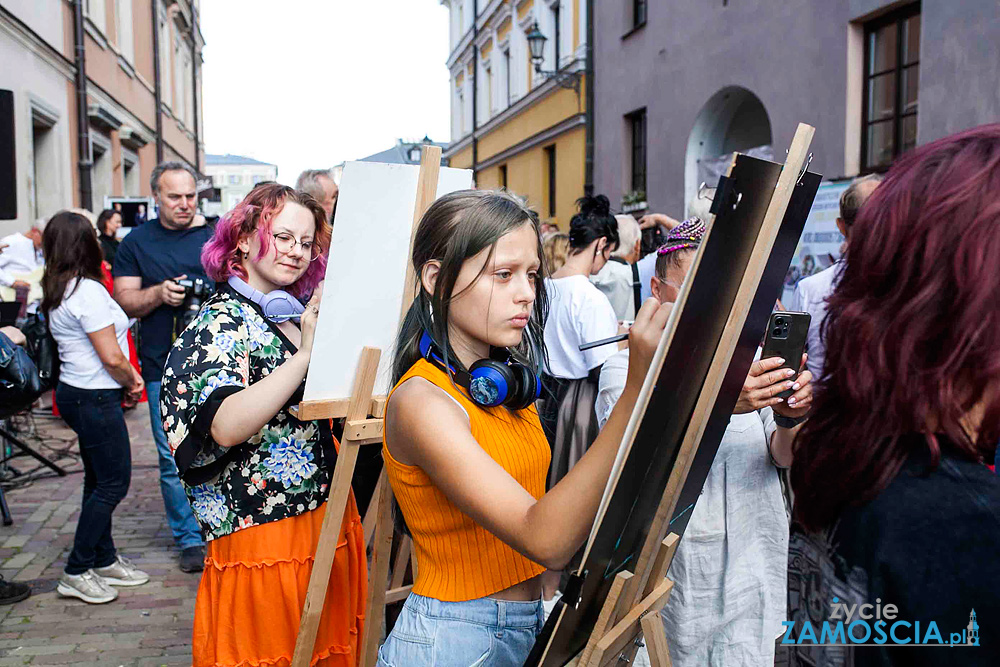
x=148, y=264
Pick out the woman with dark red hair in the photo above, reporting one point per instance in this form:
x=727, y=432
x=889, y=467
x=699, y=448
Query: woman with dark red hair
x=897, y=517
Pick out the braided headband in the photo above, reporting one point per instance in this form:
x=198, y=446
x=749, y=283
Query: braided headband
x=688, y=234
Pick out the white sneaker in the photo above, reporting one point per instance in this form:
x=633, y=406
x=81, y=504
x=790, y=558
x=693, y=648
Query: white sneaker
x=122, y=573
x=88, y=586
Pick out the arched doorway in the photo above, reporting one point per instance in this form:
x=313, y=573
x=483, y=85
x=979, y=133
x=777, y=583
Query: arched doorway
x=733, y=119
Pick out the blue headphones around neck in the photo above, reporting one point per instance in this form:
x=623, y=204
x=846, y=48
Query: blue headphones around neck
x=490, y=382
x=278, y=306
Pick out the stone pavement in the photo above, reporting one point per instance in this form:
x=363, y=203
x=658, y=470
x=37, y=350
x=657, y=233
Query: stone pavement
x=148, y=625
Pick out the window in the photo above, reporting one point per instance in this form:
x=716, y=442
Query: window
x=125, y=40
x=234, y=179
x=461, y=112
x=180, y=80
x=637, y=130
x=503, y=176
x=260, y=178
x=187, y=98
x=550, y=160
x=101, y=169
x=45, y=195
x=892, y=71
x=165, y=82
x=97, y=13
x=506, y=74
x=489, y=92
x=638, y=13
x=130, y=173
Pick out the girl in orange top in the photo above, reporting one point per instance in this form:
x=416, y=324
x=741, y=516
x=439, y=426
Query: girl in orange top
x=464, y=449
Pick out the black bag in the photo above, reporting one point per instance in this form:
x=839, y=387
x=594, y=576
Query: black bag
x=19, y=381
x=42, y=349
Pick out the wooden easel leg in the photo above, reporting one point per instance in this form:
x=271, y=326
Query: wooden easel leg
x=340, y=488
x=608, y=616
x=624, y=621
x=377, y=575
x=371, y=516
x=656, y=640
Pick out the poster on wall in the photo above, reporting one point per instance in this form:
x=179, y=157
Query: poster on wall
x=819, y=245
x=134, y=211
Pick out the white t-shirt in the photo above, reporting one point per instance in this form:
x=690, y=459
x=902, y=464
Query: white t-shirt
x=615, y=282
x=18, y=259
x=86, y=309
x=810, y=297
x=578, y=313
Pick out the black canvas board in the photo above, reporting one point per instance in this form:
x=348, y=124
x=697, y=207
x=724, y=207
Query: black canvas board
x=646, y=471
x=763, y=303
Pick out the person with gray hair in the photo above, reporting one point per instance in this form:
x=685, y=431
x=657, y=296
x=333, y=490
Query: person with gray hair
x=619, y=278
x=320, y=185
x=150, y=265
x=21, y=263
x=811, y=293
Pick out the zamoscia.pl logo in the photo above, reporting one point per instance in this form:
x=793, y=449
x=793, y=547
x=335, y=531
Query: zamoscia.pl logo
x=876, y=625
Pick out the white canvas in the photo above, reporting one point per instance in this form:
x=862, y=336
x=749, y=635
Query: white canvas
x=363, y=293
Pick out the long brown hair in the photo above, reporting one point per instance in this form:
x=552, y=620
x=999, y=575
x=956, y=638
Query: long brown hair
x=912, y=330
x=71, y=250
x=456, y=227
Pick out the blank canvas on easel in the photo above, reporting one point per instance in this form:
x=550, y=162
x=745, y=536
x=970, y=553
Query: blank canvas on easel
x=363, y=292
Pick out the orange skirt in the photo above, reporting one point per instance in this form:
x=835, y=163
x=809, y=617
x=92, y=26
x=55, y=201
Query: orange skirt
x=254, y=586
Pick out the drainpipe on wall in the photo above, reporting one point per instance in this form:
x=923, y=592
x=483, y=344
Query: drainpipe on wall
x=84, y=162
x=588, y=173
x=194, y=87
x=157, y=93
x=475, y=88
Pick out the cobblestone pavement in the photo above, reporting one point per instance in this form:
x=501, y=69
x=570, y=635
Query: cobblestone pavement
x=147, y=625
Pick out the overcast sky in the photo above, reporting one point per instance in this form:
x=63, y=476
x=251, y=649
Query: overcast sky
x=311, y=83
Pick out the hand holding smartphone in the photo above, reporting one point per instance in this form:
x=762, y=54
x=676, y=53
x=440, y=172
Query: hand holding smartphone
x=786, y=338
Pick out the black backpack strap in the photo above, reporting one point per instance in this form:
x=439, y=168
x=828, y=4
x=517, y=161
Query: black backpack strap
x=636, y=288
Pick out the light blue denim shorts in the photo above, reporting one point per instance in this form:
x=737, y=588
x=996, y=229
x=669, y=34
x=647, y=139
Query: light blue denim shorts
x=474, y=633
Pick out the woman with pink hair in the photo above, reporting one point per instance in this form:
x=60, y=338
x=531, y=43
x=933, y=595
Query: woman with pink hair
x=257, y=477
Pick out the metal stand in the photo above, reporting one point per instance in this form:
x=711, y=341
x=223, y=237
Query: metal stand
x=25, y=449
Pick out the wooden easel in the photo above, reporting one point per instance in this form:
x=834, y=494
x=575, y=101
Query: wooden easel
x=621, y=627
x=364, y=423
x=628, y=616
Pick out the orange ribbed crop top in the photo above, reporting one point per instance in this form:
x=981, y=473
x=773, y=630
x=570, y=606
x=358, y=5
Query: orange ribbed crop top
x=457, y=559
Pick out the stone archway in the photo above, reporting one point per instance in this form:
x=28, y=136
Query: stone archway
x=733, y=119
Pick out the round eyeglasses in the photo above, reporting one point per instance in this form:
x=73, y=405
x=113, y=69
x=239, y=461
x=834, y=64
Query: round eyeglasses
x=286, y=242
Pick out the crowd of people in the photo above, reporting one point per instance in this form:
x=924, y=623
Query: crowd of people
x=864, y=475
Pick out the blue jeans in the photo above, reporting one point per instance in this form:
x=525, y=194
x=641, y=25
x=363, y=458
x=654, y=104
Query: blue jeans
x=185, y=527
x=96, y=417
x=475, y=633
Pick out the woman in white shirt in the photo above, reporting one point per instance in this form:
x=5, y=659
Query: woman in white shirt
x=578, y=313
x=94, y=377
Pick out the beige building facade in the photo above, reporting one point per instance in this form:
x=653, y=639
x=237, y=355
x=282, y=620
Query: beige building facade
x=136, y=53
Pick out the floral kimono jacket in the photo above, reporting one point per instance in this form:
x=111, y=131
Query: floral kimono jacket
x=285, y=468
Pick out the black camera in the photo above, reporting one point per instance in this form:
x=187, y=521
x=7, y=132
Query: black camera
x=195, y=293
